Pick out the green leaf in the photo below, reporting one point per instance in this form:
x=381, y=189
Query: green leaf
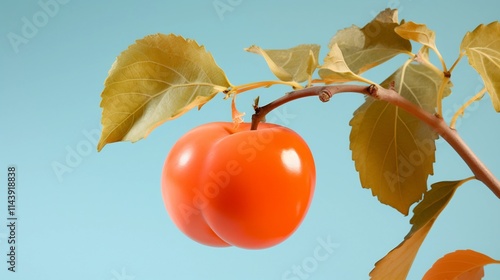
x=461, y=264
x=482, y=47
x=394, y=151
x=397, y=263
x=375, y=43
x=335, y=69
x=296, y=64
x=157, y=79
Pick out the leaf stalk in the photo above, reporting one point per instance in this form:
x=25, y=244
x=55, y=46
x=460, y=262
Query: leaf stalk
x=250, y=86
x=461, y=110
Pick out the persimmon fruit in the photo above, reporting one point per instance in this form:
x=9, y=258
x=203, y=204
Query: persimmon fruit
x=238, y=187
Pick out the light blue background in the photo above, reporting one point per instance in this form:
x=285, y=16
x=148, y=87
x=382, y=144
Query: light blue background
x=106, y=220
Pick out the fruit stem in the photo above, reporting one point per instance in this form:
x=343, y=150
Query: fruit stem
x=480, y=171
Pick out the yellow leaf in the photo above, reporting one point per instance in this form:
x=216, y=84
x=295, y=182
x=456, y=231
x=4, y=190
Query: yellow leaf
x=423, y=56
x=236, y=115
x=461, y=264
x=418, y=33
x=397, y=263
x=393, y=150
x=482, y=47
x=375, y=43
x=158, y=78
x=335, y=69
x=296, y=64
x=387, y=16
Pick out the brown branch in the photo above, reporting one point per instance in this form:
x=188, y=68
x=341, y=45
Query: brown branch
x=480, y=171
x=323, y=92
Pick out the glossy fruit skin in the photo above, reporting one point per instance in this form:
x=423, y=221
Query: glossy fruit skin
x=246, y=188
